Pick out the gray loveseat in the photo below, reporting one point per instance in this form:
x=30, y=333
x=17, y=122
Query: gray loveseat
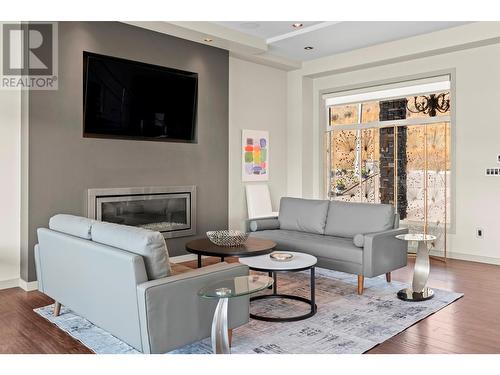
x=357, y=238
x=119, y=278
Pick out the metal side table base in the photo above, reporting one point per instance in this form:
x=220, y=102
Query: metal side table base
x=418, y=290
x=311, y=302
x=223, y=290
x=409, y=295
x=220, y=337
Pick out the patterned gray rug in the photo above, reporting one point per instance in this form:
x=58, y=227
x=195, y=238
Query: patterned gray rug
x=344, y=323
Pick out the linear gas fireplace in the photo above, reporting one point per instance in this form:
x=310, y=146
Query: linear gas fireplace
x=170, y=210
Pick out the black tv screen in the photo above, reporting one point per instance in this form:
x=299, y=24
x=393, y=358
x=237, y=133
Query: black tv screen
x=133, y=100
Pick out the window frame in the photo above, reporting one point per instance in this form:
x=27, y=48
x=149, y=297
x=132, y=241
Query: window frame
x=359, y=127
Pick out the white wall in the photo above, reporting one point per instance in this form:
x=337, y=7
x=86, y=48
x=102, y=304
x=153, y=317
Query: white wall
x=257, y=100
x=10, y=186
x=476, y=132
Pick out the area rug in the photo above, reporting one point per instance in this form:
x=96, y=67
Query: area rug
x=345, y=322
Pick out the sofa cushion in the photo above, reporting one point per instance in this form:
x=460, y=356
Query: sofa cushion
x=147, y=243
x=346, y=219
x=337, y=248
x=303, y=215
x=77, y=226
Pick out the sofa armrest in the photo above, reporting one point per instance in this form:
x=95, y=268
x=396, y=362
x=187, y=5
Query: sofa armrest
x=267, y=223
x=383, y=252
x=173, y=315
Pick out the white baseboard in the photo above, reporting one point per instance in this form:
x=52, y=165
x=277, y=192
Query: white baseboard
x=6, y=284
x=28, y=286
x=33, y=285
x=451, y=255
x=468, y=257
x=19, y=283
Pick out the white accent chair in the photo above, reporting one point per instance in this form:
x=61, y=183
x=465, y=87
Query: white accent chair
x=259, y=201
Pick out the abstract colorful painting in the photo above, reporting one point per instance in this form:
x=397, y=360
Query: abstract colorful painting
x=255, y=155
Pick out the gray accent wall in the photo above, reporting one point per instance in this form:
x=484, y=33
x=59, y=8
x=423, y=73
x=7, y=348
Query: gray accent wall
x=63, y=164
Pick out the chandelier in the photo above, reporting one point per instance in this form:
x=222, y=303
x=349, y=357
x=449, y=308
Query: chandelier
x=430, y=104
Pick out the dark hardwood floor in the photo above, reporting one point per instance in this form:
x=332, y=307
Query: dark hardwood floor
x=469, y=325
x=23, y=331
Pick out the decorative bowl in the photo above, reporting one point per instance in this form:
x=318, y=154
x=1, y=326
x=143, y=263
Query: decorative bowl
x=281, y=257
x=231, y=238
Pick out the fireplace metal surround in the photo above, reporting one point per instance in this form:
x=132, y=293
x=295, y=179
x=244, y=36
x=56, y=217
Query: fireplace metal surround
x=170, y=210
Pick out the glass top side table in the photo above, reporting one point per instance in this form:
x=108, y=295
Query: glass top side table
x=223, y=290
x=418, y=290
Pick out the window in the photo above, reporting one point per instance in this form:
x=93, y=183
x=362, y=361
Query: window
x=385, y=148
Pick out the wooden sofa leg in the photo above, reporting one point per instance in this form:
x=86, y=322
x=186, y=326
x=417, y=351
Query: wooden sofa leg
x=230, y=335
x=57, y=308
x=361, y=281
x=388, y=277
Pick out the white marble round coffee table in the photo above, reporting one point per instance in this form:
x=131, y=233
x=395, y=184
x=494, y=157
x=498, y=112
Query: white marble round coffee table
x=299, y=262
x=418, y=290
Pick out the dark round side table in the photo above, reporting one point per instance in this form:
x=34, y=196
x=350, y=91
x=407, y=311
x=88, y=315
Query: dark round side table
x=252, y=247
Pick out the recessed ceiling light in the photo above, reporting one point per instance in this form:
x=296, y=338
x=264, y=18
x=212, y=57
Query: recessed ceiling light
x=297, y=25
x=208, y=40
x=308, y=48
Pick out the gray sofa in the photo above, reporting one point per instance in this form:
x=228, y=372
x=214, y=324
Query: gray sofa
x=357, y=238
x=119, y=278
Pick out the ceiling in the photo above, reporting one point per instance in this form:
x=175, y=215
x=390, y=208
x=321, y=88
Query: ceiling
x=279, y=44
x=265, y=29
x=329, y=38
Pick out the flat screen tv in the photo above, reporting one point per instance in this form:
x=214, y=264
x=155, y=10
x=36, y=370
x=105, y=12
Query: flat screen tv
x=133, y=100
